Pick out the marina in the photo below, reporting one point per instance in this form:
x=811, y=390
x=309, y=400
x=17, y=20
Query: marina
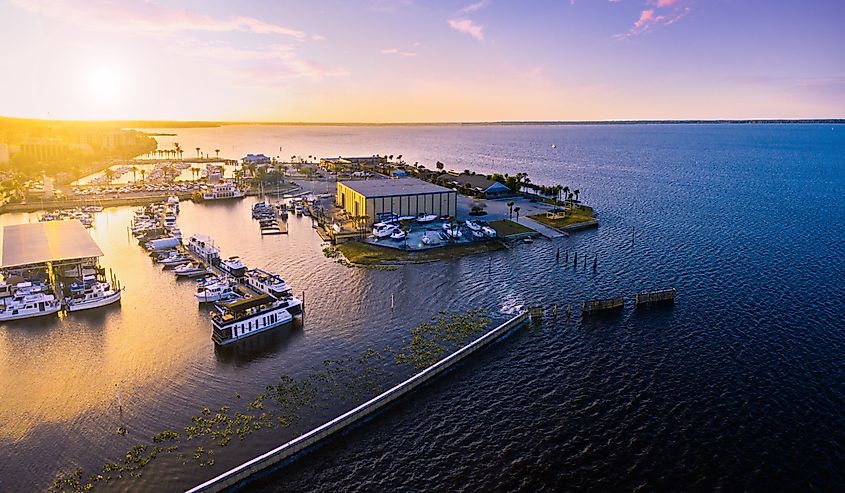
x=156, y=345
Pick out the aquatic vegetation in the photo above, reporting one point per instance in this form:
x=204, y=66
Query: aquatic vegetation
x=446, y=332
x=331, y=252
x=338, y=380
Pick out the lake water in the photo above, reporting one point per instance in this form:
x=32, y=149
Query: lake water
x=740, y=385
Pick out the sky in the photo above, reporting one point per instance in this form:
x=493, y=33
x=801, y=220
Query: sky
x=422, y=61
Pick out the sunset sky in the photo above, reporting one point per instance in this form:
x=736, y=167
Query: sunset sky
x=415, y=60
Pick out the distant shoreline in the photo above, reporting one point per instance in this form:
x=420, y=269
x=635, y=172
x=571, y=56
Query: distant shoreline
x=146, y=124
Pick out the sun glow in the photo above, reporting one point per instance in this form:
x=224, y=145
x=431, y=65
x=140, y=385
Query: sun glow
x=104, y=82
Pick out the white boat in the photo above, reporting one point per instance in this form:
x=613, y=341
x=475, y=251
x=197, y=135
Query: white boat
x=93, y=295
x=381, y=230
x=233, y=266
x=222, y=191
x=203, y=247
x=452, y=231
x=425, y=239
x=32, y=305
x=487, y=230
x=247, y=317
x=398, y=234
x=473, y=226
x=164, y=243
x=216, y=290
x=267, y=283
x=175, y=259
x=426, y=218
x=477, y=234
x=191, y=269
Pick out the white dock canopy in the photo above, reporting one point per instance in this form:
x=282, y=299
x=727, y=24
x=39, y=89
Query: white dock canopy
x=51, y=241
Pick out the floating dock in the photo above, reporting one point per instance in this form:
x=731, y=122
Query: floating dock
x=240, y=475
x=596, y=306
x=655, y=297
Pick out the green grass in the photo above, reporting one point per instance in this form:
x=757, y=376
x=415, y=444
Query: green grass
x=361, y=253
x=506, y=227
x=578, y=215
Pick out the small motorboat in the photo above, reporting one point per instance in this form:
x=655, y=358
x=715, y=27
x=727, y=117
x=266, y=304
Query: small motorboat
x=452, y=231
x=426, y=240
x=398, y=234
x=477, y=234
x=382, y=230
x=487, y=230
x=191, y=269
x=426, y=218
x=473, y=226
x=528, y=240
x=174, y=260
x=217, y=290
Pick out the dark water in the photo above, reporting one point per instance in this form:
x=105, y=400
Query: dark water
x=741, y=385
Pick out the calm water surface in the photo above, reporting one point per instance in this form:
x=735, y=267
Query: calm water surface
x=741, y=385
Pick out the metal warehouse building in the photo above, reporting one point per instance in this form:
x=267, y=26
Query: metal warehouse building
x=403, y=196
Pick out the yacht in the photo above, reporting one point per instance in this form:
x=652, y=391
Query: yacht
x=233, y=266
x=473, y=226
x=398, y=234
x=215, y=289
x=28, y=300
x=203, y=247
x=426, y=218
x=223, y=191
x=243, y=318
x=87, y=295
x=272, y=284
x=487, y=230
x=382, y=230
x=174, y=260
x=267, y=283
x=191, y=269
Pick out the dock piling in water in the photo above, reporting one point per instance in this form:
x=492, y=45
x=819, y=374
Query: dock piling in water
x=593, y=306
x=655, y=297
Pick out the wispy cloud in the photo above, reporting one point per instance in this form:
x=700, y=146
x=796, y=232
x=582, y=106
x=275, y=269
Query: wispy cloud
x=480, y=4
x=148, y=17
x=397, y=51
x=658, y=13
x=467, y=26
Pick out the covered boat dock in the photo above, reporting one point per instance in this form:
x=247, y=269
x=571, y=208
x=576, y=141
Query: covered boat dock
x=42, y=250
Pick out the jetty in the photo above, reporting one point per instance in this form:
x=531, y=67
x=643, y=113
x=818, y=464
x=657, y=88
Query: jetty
x=596, y=306
x=655, y=297
x=241, y=475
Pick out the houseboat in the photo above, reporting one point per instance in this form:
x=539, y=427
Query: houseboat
x=233, y=266
x=272, y=284
x=203, y=247
x=243, y=318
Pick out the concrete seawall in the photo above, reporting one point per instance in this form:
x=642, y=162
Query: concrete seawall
x=243, y=472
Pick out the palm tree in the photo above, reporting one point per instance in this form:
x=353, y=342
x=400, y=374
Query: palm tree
x=510, y=210
x=576, y=192
x=217, y=153
x=134, y=172
x=565, y=192
x=516, y=209
x=198, y=152
x=109, y=174
x=195, y=171
x=143, y=174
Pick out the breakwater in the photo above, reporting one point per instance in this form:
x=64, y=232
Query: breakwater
x=242, y=473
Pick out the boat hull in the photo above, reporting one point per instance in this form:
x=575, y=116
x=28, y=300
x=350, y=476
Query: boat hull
x=21, y=316
x=88, y=305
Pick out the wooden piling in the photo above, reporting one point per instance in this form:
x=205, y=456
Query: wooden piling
x=655, y=297
x=593, y=306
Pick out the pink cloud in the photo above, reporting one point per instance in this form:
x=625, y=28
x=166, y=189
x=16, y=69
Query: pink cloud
x=396, y=51
x=147, y=17
x=480, y=4
x=467, y=26
x=664, y=13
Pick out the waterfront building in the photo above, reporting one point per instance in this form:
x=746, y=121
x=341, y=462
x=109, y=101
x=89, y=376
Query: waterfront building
x=403, y=197
x=353, y=163
x=256, y=159
x=478, y=185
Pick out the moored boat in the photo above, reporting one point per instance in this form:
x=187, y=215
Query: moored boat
x=92, y=295
x=243, y=318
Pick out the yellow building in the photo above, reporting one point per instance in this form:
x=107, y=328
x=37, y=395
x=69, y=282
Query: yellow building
x=404, y=197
